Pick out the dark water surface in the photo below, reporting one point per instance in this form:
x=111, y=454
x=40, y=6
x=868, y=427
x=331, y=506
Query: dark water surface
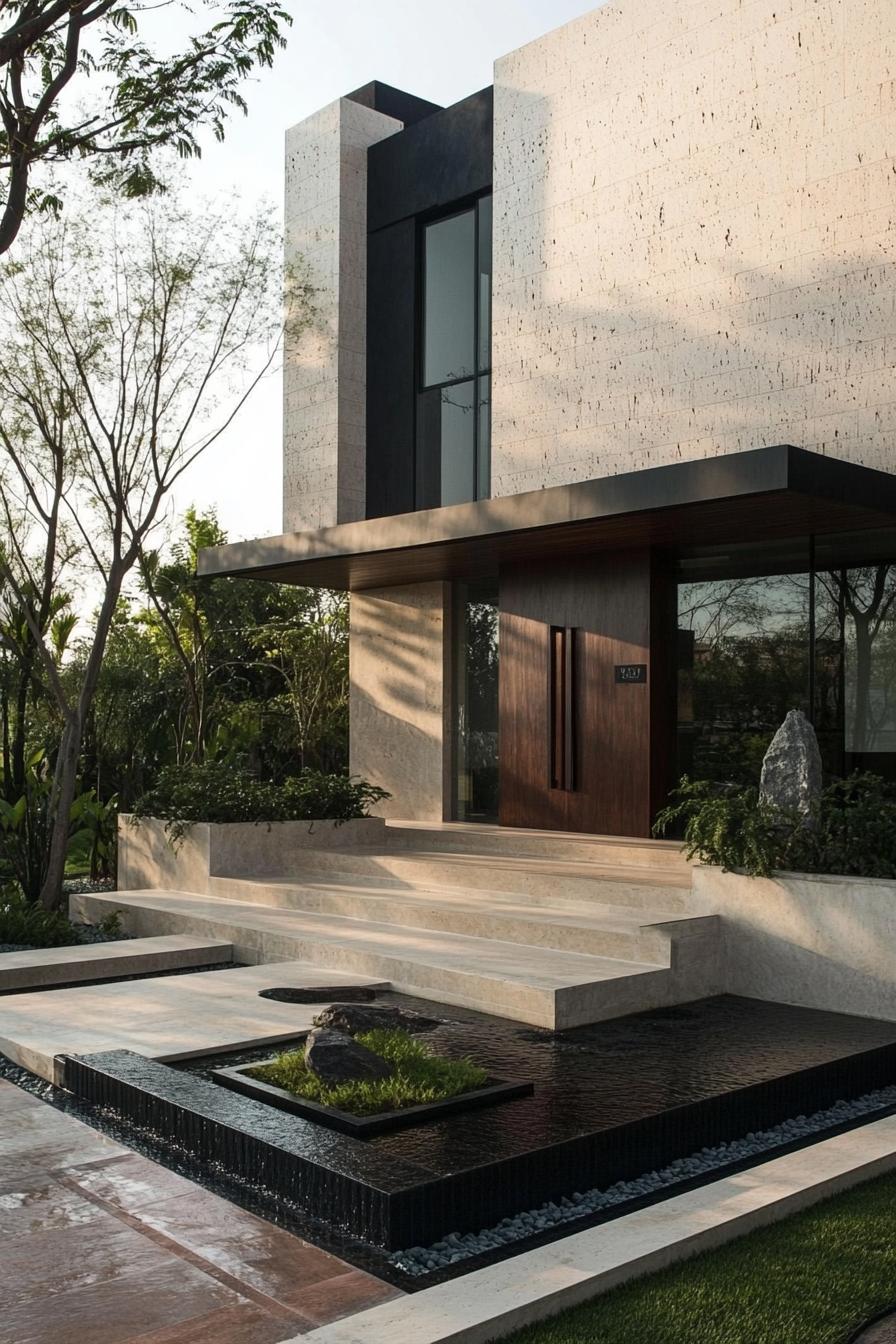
x=611, y=1073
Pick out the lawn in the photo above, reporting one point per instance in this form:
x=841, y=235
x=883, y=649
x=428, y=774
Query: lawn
x=809, y=1280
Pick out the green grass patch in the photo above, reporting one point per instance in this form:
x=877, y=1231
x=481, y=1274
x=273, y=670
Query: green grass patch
x=418, y=1077
x=810, y=1280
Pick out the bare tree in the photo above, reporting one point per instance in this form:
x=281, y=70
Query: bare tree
x=125, y=351
x=137, y=100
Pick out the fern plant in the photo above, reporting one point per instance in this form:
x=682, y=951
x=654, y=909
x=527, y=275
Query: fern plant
x=850, y=831
x=726, y=825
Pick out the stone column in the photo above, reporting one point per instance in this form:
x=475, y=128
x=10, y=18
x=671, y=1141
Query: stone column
x=324, y=377
x=400, y=697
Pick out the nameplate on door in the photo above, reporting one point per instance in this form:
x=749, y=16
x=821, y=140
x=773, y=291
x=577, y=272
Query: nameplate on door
x=631, y=674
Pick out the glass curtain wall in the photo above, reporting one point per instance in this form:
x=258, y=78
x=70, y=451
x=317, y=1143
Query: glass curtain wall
x=454, y=399
x=812, y=627
x=476, y=701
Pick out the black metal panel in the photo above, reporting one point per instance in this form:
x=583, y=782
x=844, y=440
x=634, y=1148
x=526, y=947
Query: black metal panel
x=393, y=102
x=391, y=326
x=432, y=164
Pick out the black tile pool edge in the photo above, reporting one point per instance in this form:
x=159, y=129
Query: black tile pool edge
x=491, y=1093
x=395, y=1206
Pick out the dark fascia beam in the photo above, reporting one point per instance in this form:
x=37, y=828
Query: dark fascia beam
x=329, y=556
x=461, y=538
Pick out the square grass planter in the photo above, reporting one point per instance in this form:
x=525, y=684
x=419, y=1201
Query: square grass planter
x=363, y=1126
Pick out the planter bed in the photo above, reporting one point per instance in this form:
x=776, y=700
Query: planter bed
x=361, y=1126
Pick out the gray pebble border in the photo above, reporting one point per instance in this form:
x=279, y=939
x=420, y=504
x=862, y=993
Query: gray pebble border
x=456, y=1247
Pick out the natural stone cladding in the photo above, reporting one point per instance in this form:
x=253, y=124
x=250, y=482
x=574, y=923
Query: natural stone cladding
x=694, y=243
x=324, y=376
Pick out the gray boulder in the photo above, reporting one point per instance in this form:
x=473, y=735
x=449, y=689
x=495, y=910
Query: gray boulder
x=791, y=770
x=356, y=1018
x=336, y=1058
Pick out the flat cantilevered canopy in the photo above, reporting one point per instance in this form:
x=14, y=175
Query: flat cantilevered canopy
x=765, y=494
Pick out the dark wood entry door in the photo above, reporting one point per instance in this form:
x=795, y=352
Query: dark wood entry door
x=586, y=693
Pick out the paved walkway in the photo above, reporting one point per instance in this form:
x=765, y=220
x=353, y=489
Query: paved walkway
x=103, y=1246
x=882, y=1332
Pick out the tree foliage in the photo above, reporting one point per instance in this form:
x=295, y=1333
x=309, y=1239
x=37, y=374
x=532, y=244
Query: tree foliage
x=125, y=352
x=135, y=98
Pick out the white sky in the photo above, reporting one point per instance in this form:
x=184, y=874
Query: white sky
x=438, y=49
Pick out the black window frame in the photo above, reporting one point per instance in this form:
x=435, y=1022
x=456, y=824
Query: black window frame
x=471, y=203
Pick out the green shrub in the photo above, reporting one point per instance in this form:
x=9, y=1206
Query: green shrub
x=418, y=1077
x=25, y=924
x=28, y=925
x=219, y=793
x=852, y=830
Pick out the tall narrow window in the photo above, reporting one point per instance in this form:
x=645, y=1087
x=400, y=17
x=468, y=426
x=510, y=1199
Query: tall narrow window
x=475, y=742
x=454, y=398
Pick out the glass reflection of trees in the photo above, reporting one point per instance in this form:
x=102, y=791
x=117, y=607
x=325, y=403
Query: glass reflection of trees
x=856, y=634
x=477, y=703
x=751, y=648
x=744, y=662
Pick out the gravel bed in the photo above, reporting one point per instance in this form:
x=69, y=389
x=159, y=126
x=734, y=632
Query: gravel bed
x=457, y=1247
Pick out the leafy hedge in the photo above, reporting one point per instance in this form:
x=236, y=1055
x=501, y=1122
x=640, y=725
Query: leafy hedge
x=218, y=793
x=852, y=831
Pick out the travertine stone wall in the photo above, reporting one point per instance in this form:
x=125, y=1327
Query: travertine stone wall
x=398, y=697
x=324, y=380
x=695, y=237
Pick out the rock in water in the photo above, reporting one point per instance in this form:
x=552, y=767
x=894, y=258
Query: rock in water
x=336, y=1058
x=791, y=770
x=356, y=1018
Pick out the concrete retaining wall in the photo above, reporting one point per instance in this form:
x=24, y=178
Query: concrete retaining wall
x=147, y=859
x=822, y=942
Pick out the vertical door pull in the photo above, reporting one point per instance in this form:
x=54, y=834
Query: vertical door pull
x=561, y=707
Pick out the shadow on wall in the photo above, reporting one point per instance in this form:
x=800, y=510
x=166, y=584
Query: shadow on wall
x=397, y=706
x=821, y=942
x=672, y=279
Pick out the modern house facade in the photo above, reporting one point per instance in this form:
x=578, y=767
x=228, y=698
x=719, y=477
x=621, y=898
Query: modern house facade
x=595, y=416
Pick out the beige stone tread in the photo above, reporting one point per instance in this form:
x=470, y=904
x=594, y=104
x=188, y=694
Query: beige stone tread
x=525, y=839
x=167, y=1017
x=570, y=912
x=537, y=967
x=94, y=961
x=501, y=871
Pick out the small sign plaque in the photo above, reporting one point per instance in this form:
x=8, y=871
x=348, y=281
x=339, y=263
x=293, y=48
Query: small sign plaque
x=631, y=674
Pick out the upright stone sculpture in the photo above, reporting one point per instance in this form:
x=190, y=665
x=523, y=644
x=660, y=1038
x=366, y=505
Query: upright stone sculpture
x=791, y=770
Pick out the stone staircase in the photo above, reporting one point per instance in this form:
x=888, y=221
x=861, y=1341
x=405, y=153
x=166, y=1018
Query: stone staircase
x=549, y=929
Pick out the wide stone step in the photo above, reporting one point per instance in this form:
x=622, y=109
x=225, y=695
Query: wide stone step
x=563, y=846
x=42, y=967
x=537, y=985
x=635, y=933
x=539, y=880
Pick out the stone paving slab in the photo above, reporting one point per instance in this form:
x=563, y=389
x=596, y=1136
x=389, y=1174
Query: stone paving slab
x=165, y=1018
x=104, y=1246
x=881, y=1332
x=38, y=968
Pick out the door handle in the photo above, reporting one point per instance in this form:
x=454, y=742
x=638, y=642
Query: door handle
x=561, y=707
